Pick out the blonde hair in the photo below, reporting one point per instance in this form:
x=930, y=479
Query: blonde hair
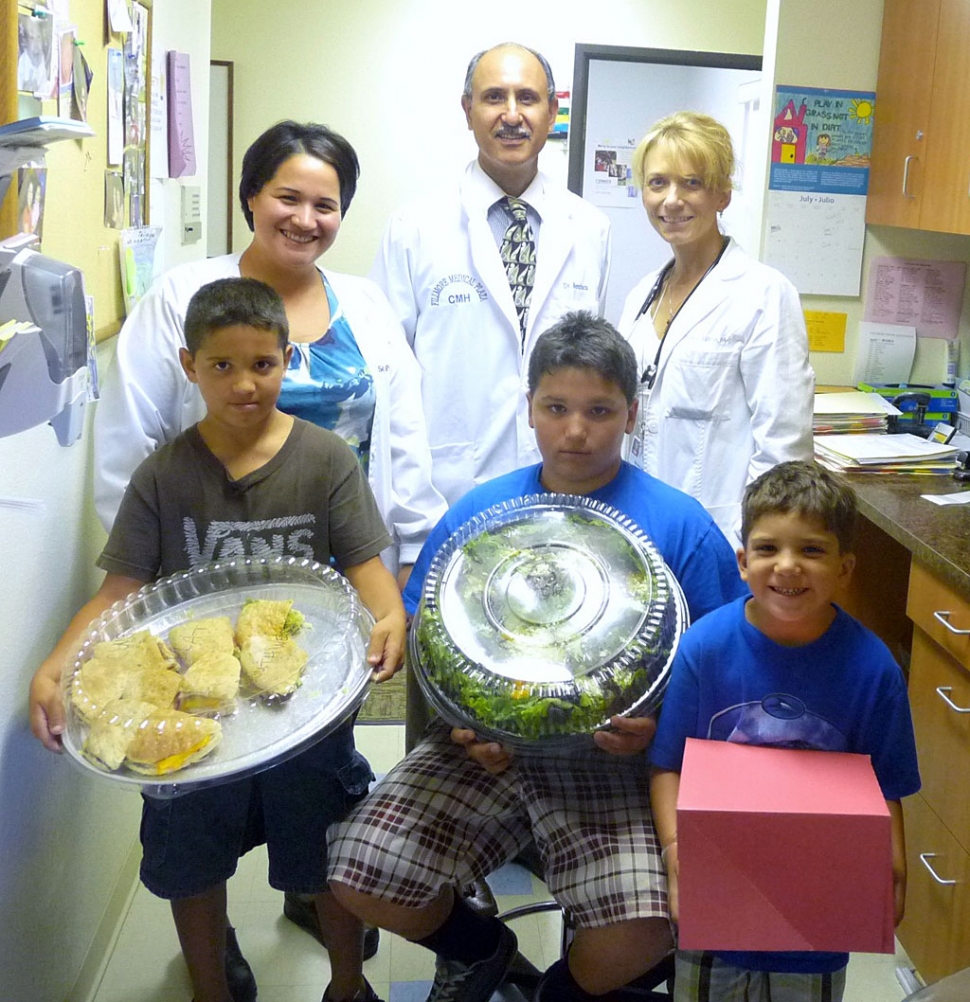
x=695, y=140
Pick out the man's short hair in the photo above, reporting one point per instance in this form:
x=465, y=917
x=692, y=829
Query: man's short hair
x=580, y=340
x=807, y=490
x=287, y=139
x=231, y=302
x=543, y=62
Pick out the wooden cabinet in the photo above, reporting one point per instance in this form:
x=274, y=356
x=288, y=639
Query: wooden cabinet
x=920, y=170
x=935, y=930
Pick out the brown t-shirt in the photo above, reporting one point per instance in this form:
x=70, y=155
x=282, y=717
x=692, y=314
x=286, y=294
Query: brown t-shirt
x=181, y=509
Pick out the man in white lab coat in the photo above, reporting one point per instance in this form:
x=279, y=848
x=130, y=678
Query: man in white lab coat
x=441, y=266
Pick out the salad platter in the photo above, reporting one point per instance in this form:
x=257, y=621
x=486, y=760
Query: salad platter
x=543, y=617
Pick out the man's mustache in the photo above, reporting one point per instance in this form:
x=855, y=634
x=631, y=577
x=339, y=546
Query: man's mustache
x=506, y=132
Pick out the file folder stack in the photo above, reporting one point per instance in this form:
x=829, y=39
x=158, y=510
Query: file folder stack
x=868, y=453
x=851, y=412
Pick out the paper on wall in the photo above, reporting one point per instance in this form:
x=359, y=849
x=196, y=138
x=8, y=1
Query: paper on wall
x=885, y=353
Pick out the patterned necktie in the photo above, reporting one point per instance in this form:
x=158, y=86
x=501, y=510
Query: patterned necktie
x=519, y=257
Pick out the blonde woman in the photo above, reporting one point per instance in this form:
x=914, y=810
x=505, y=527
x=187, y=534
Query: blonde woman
x=727, y=388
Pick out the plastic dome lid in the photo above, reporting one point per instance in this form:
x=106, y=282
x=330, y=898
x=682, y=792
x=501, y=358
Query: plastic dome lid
x=544, y=616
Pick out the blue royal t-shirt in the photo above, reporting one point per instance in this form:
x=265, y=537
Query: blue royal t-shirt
x=687, y=538
x=842, y=692
x=329, y=385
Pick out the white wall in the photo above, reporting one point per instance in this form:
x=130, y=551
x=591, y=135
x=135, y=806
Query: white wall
x=388, y=75
x=66, y=840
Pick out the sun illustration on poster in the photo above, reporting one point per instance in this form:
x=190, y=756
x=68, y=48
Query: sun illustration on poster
x=861, y=110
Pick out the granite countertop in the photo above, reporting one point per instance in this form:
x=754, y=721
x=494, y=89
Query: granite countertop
x=938, y=536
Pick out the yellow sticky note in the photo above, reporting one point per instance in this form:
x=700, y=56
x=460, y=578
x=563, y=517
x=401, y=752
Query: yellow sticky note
x=826, y=331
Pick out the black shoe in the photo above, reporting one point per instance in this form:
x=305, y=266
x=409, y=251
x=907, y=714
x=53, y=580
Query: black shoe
x=478, y=896
x=301, y=910
x=457, y=982
x=239, y=975
x=366, y=994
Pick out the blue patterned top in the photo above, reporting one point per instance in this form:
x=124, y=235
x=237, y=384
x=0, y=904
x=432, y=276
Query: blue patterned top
x=328, y=384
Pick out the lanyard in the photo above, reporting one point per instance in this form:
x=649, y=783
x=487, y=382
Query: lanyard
x=649, y=376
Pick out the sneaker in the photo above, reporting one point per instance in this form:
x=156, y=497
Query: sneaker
x=366, y=994
x=301, y=911
x=457, y=982
x=239, y=975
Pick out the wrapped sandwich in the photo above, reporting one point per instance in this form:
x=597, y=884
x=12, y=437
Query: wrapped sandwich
x=271, y=660
x=168, y=740
x=207, y=647
x=148, y=740
x=139, y=667
x=198, y=638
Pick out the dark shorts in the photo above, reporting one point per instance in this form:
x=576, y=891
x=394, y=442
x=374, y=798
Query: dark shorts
x=193, y=842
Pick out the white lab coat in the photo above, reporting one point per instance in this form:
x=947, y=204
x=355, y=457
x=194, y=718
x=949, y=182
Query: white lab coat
x=146, y=400
x=440, y=267
x=734, y=388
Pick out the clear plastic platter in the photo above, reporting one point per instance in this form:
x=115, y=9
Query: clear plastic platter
x=261, y=732
x=543, y=617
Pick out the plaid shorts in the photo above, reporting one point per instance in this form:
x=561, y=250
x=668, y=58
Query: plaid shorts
x=439, y=818
x=702, y=977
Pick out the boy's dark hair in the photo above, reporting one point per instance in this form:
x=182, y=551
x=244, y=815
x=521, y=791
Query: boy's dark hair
x=227, y=302
x=580, y=340
x=287, y=139
x=804, y=489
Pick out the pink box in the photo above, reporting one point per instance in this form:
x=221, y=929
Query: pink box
x=782, y=849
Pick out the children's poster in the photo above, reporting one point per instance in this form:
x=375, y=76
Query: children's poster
x=821, y=141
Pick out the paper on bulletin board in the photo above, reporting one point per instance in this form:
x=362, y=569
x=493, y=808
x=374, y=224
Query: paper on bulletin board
x=181, y=137
x=885, y=353
x=816, y=241
x=826, y=331
x=820, y=150
x=613, y=177
x=159, y=116
x=926, y=294
x=137, y=260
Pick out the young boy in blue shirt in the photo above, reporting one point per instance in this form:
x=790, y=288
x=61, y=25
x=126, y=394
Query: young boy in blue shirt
x=247, y=480
x=456, y=808
x=786, y=667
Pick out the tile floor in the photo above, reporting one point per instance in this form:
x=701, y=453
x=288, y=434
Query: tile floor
x=291, y=967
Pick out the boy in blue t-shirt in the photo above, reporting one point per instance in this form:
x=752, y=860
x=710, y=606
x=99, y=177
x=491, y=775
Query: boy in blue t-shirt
x=247, y=480
x=784, y=667
x=455, y=808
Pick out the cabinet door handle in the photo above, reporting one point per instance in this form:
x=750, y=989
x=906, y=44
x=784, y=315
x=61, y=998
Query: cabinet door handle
x=942, y=690
x=924, y=858
x=941, y=617
x=906, y=162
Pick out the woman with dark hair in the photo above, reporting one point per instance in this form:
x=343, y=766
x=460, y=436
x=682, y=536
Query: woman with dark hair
x=352, y=370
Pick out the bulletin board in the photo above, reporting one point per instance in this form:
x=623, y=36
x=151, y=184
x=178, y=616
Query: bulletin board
x=74, y=228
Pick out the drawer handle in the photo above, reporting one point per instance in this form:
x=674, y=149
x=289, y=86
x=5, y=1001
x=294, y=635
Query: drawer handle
x=924, y=858
x=906, y=163
x=942, y=690
x=941, y=617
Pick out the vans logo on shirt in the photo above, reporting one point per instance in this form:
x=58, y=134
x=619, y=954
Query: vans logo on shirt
x=291, y=536
x=458, y=290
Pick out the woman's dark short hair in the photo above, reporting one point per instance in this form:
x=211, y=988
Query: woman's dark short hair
x=580, y=340
x=231, y=302
x=807, y=490
x=288, y=139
